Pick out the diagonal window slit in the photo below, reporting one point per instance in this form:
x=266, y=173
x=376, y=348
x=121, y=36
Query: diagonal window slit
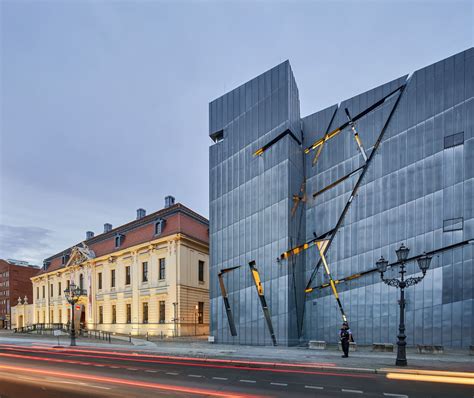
x=230, y=317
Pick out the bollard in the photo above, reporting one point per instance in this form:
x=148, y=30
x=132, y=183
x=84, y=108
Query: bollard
x=109, y=337
x=146, y=336
x=130, y=337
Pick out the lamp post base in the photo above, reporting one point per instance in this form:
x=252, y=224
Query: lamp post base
x=401, y=362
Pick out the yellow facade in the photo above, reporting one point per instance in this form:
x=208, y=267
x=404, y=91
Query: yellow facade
x=178, y=302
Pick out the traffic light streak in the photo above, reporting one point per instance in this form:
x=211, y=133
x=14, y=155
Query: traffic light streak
x=233, y=365
x=124, y=382
x=125, y=356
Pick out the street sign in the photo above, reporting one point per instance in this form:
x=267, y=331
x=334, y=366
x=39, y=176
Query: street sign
x=57, y=332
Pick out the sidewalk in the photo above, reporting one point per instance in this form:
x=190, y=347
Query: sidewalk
x=363, y=360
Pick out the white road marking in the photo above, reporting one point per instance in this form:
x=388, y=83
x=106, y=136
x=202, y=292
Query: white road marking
x=352, y=391
x=79, y=383
x=69, y=382
x=103, y=388
x=220, y=378
x=132, y=369
x=172, y=373
x=314, y=387
x=151, y=371
x=26, y=378
x=115, y=367
x=195, y=376
x=279, y=384
x=387, y=394
x=247, y=381
x=100, y=366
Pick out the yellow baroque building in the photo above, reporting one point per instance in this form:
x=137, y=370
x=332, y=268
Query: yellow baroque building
x=148, y=276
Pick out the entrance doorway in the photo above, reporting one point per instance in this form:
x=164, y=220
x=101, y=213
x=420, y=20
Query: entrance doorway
x=83, y=317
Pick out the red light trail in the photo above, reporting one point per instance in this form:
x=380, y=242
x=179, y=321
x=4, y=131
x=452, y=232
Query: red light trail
x=181, y=358
x=170, y=363
x=131, y=383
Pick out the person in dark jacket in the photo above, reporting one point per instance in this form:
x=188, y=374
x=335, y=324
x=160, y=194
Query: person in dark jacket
x=345, y=335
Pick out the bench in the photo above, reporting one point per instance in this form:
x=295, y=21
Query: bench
x=352, y=346
x=382, y=347
x=430, y=349
x=317, y=345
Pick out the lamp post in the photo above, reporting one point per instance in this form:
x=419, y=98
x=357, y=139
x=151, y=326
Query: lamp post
x=402, y=283
x=73, y=293
x=196, y=308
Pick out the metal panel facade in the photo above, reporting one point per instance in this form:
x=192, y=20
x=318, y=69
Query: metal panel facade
x=419, y=190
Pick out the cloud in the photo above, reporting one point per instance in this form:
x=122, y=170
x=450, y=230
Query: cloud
x=25, y=243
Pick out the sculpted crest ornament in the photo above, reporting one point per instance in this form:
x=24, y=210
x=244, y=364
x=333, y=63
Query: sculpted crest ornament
x=80, y=254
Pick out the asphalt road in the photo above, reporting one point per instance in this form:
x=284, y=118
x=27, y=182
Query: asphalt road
x=43, y=371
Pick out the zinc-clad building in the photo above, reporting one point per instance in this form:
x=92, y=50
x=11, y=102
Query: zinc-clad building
x=278, y=180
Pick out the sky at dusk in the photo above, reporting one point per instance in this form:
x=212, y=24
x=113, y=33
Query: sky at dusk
x=104, y=104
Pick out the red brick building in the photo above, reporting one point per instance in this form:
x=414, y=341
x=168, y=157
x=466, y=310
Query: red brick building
x=14, y=282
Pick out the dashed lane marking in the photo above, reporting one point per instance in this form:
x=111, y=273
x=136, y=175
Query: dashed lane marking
x=132, y=369
x=100, y=366
x=101, y=387
x=220, y=378
x=115, y=367
x=352, y=391
x=247, y=381
x=195, y=376
x=314, y=387
x=387, y=394
x=151, y=371
x=172, y=373
x=279, y=384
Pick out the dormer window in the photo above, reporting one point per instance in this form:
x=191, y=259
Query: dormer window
x=159, y=226
x=119, y=238
x=64, y=259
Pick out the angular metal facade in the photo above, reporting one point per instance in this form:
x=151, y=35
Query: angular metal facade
x=418, y=189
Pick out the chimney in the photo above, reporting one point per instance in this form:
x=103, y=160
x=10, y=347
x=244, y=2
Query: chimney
x=141, y=213
x=89, y=235
x=107, y=227
x=169, y=201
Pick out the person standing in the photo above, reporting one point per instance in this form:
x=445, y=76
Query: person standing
x=345, y=335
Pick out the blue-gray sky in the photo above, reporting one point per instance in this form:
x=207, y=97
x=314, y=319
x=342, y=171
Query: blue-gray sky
x=104, y=104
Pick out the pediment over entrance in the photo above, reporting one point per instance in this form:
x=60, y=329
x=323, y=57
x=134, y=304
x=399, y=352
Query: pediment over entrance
x=80, y=254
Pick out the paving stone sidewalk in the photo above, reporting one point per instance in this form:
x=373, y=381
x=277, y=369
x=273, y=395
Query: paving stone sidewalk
x=364, y=359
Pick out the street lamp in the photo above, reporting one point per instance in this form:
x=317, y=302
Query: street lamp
x=72, y=294
x=195, y=319
x=402, y=283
